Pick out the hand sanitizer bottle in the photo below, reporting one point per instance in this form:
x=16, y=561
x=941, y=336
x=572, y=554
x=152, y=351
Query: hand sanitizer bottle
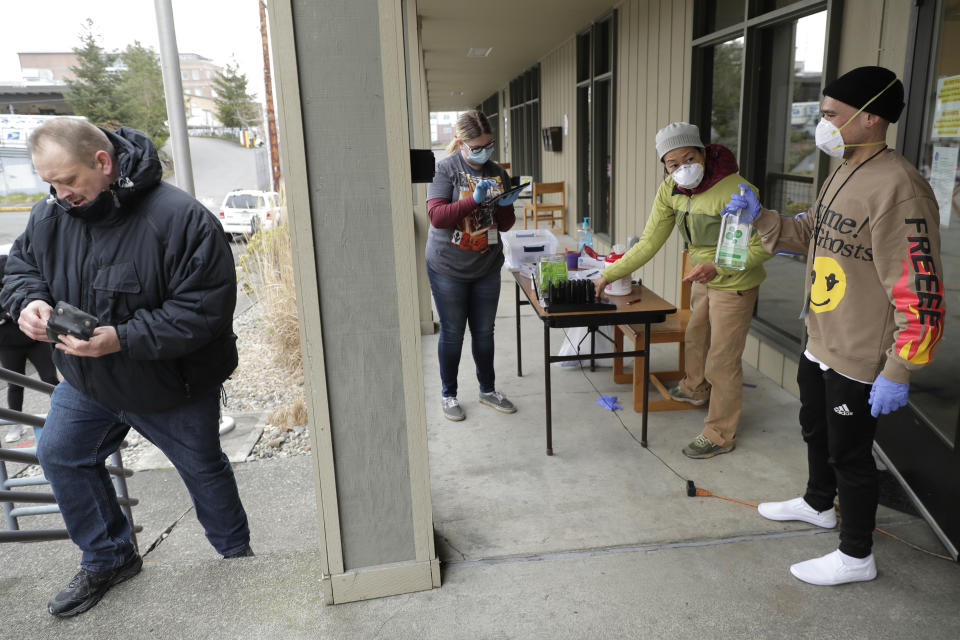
x=584, y=235
x=734, y=242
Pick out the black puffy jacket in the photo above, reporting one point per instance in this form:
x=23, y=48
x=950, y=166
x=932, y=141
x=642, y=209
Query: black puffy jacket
x=156, y=265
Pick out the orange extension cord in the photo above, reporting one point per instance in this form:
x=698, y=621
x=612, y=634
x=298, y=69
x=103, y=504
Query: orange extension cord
x=703, y=493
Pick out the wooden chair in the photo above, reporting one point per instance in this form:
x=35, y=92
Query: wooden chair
x=505, y=165
x=538, y=210
x=672, y=330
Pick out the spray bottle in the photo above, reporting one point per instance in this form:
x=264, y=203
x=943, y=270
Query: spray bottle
x=584, y=235
x=734, y=242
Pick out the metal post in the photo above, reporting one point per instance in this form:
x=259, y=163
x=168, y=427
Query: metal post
x=546, y=386
x=173, y=91
x=516, y=293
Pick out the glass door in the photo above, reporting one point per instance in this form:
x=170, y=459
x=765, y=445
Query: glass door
x=922, y=442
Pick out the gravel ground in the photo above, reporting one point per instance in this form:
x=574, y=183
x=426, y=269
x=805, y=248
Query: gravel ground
x=258, y=384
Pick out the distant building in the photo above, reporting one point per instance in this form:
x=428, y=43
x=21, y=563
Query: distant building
x=45, y=73
x=443, y=127
x=47, y=67
x=17, y=174
x=197, y=74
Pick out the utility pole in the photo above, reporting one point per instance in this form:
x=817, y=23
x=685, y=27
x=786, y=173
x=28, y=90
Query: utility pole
x=268, y=92
x=173, y=91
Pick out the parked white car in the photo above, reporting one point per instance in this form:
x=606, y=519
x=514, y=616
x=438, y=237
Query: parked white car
x=246, y=211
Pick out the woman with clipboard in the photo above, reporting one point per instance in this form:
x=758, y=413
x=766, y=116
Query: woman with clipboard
x=468, y=204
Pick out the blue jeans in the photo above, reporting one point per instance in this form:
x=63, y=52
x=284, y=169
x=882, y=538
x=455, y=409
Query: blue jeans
x=80, y=434
x=458, y=304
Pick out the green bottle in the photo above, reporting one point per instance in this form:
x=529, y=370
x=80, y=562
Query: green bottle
x=734, y=242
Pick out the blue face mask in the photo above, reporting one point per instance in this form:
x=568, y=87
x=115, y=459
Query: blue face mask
x=481, y=155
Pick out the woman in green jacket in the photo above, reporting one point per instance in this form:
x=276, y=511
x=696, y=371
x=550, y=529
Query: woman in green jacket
x=700, y=179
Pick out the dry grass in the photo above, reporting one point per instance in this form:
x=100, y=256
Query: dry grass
x=267, y=270
x=291, y=415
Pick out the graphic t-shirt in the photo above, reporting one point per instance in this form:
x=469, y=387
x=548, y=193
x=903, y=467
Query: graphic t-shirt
x=471, y=249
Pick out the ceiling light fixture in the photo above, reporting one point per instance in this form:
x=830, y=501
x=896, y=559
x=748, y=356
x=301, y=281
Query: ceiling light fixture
x=479, y=52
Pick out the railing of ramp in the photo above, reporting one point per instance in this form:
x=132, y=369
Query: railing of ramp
x=46, y=503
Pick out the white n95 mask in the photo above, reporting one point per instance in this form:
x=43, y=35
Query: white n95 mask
x=829, y=139
x=688, y=176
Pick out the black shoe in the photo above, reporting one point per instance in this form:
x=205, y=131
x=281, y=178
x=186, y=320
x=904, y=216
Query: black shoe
x=87, y=587
x=246, y=552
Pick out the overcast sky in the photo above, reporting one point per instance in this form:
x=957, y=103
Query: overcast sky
x=222, y=30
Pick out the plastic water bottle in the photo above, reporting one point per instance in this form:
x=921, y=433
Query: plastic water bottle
x=584, y=235
x=734, y=242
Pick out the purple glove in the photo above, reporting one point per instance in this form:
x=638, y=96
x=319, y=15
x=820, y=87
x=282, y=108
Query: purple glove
x=481, y=190
x=747, y=202
x=506, y=201
x=887, y=396
x=609, y=402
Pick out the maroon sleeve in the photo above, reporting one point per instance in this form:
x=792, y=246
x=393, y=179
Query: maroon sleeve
x=506, y=217
x=444, y=214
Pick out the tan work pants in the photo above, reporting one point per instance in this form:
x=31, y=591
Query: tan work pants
x=713, y=347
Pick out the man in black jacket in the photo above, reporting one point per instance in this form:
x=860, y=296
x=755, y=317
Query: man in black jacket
x=153, y=265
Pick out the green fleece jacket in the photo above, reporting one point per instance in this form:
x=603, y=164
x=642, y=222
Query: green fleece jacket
x=698, y=218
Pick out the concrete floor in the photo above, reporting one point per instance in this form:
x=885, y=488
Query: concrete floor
x=597, y=541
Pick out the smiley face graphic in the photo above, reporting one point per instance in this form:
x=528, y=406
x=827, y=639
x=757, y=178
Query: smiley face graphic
x=828, y=283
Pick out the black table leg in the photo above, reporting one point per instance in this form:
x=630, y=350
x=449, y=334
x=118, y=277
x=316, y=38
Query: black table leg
x=516, y=293
x=546, y=382
x=646, y=382
x=593, y=347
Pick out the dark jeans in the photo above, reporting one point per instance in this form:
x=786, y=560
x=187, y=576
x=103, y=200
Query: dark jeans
x=838, y=429
x=80, y=433
x=15, y=359
x=458, y=304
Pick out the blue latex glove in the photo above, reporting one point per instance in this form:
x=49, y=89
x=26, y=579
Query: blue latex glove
x=481, y=191
x=506, y=201
x=609, y=402
x=747, y=202
x=886, y=396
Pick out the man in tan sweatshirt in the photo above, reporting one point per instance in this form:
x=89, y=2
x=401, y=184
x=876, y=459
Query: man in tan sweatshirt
x=873, y=307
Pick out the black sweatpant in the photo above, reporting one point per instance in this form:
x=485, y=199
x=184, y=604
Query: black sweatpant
x=15, y=359
x=837, y=426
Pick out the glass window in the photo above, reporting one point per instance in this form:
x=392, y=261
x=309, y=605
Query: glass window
x=595, y=123
x=725, y=96
x=491, y=109
x=789, y=161
x=764, y=6
x=196, y=74
x=583, y=56
x=935, y=388
x=715, y=15
x=525, y=124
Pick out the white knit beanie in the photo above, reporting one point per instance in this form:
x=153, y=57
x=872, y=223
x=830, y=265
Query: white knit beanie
x=676, y=135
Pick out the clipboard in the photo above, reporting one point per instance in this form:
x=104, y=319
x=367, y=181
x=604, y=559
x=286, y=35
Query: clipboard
x=510, y=191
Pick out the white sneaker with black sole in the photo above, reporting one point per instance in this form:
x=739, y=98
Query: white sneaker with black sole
x=798, y=509
x=498, y=401
x=452, y=409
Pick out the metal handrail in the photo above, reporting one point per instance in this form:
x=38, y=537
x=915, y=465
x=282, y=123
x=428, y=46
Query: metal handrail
x=28, y=456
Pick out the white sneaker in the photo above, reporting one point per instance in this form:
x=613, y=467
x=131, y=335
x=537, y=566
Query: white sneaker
x=798, y=509
x=15, y=433
x=835, y=568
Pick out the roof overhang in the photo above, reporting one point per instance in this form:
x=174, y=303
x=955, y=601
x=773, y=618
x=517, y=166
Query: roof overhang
x=518, y=32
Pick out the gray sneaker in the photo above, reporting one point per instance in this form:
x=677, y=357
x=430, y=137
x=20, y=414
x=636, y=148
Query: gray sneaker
x=702, y=448
x=679, y=394
x=451, y=409
x=498, y=401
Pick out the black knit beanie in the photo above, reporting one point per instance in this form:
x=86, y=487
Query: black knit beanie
x=856, y=87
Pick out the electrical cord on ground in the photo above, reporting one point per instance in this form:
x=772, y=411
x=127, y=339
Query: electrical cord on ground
x=692, y=489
